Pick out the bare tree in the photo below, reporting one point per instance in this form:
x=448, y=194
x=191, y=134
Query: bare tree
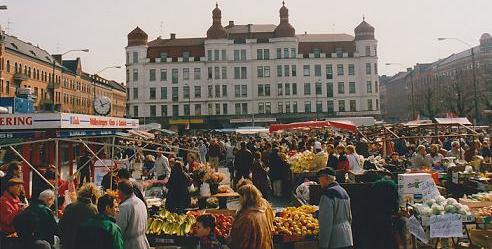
x=429, y=107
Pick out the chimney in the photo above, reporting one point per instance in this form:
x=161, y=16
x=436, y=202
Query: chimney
x=231, y=23
x=409, y=69
x=173, y=36
x=58, y=58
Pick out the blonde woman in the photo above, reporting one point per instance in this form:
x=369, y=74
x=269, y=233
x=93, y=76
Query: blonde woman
x=249, y=230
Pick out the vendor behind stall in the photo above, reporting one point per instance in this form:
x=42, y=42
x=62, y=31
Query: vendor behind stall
x=420, y=159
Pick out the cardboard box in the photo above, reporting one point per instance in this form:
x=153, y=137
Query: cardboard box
x=411, y=183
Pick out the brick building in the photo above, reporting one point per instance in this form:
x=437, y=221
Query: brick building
x=28, y=67
x=259, y=73
x=443, y=87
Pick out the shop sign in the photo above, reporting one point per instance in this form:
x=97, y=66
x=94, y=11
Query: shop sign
x=250, y=120
x=185, y=121
x=63, y=121
x=29, y=121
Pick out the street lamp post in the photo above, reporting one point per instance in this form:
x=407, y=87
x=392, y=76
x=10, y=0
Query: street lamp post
x=53, y=74
x=475, y=93
x=414, y=114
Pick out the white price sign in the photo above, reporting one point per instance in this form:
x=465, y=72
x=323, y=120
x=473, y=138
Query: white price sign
x=446, y=226
x=416, y=229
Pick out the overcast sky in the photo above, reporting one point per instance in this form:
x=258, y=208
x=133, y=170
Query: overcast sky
x=405, y=29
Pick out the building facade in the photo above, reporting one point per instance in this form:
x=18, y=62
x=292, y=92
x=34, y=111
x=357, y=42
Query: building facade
x=240, y=74
x=28, y=68
x=444, y=87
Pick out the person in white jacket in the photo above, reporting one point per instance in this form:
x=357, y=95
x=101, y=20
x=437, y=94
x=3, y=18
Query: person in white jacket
x=161, y=169
x=132, y=218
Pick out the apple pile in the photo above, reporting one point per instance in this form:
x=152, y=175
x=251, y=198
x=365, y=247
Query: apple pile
x=223, y=224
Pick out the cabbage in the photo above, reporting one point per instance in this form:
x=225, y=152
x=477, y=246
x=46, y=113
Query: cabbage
x=450, y=208
x=440, y=200
x=437, y=209
x=452, y=201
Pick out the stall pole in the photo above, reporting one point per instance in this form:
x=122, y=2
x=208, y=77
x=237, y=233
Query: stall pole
x=92, y=152
x=30, y=165
x=384, y=144
x=57, y=173
x=26, y=153
x=112, y=158
x=70, y=157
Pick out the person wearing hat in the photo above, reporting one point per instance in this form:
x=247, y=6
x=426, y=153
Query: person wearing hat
x=10, y=205
x=334, y=213
x=14, y=170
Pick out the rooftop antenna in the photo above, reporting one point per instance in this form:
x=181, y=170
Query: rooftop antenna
x=363, y=17
x=7, y=29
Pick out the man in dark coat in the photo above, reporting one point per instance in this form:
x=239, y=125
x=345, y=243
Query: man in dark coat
x=243, y=162
x=178, y=196
x=48, y=227
x=101, y=230
x=85, y=173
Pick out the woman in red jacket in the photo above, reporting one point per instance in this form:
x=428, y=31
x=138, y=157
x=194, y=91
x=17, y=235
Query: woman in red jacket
x=10, y=205
x=343, y=163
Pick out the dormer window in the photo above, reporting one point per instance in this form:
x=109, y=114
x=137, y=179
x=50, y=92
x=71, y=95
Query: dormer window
x=32, y=52
x=14, y=46
x=164, y=56
x=317, y=53
x=186, y=56
x=339, y=52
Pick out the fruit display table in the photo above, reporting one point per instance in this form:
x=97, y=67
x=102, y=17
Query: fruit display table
x=223, y=197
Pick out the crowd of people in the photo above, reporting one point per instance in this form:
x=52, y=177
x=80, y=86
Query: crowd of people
x=259, y=172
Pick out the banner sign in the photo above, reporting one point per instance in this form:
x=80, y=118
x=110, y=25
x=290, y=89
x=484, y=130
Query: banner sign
x=35, y=121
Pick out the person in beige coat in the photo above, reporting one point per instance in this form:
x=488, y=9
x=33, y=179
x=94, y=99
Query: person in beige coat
x=132, y=218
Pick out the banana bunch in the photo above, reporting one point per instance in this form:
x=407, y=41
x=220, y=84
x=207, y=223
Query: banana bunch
x=167, y=223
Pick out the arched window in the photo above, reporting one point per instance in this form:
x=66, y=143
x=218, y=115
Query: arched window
x=15, y=68
x=8, y=66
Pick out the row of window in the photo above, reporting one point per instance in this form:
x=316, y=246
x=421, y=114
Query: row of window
x=263, y=108
x=32, y=73
x=240, y=54
x=263, y=90
x=261, y=72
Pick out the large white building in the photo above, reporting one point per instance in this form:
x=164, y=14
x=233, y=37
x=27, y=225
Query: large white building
x=241, y=73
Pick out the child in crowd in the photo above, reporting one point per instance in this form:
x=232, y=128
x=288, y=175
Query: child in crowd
x=205, y=231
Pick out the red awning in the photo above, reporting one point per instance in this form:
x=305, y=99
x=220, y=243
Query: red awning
x=344, y=125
